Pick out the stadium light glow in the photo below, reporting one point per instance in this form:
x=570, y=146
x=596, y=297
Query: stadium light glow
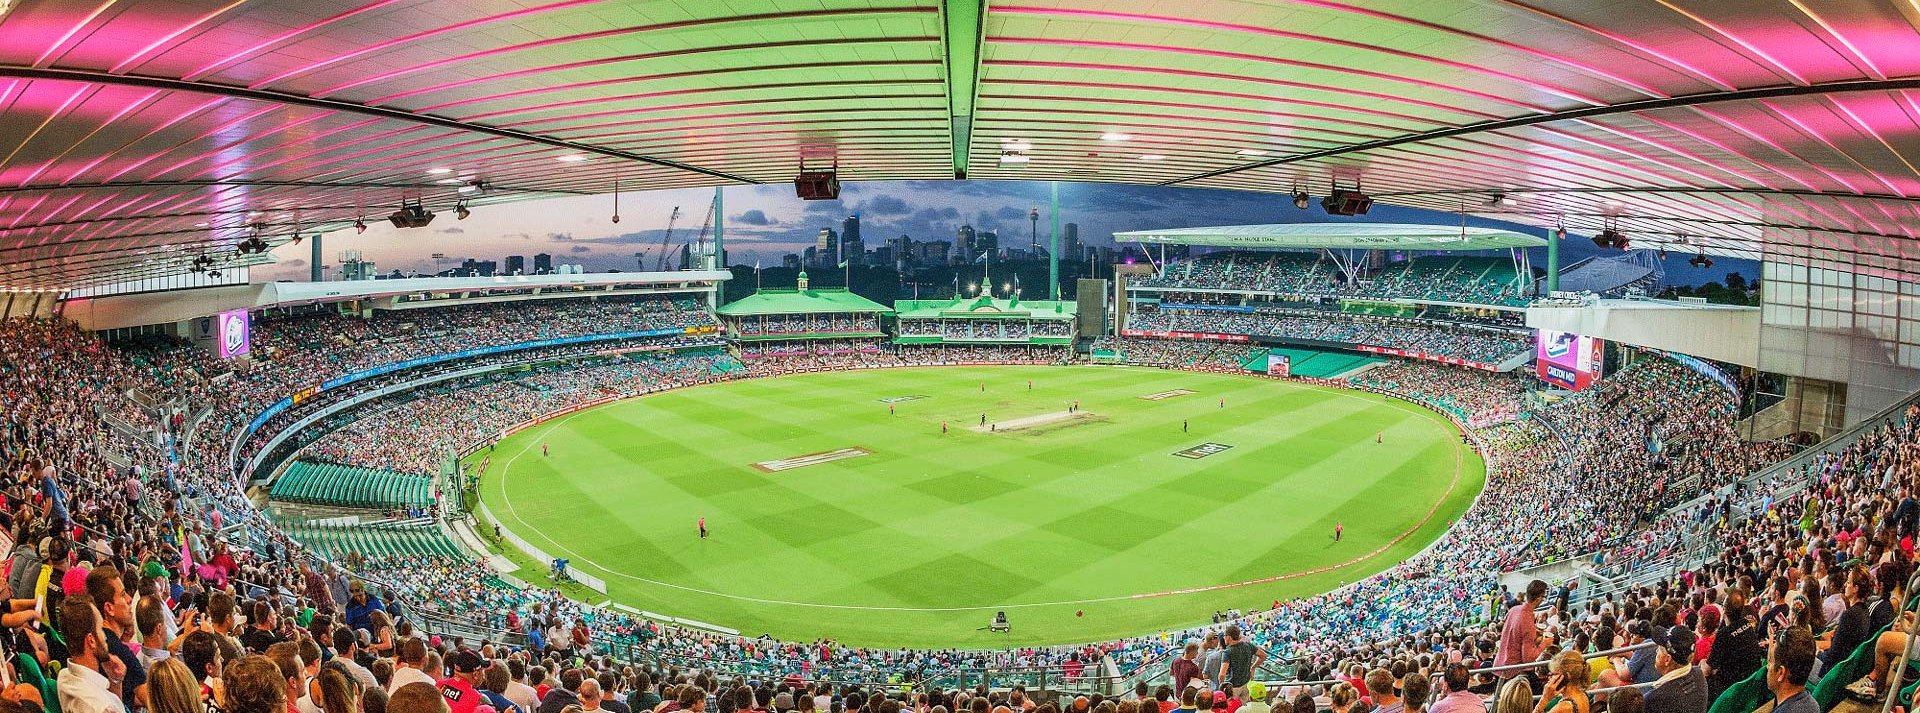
x=1250, y=152
x=1115, y=136
x=1151, y=157
x=439, y=171
x=570, y=158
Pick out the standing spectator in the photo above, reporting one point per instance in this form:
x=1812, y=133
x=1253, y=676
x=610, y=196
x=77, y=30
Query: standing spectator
x=1187, y=666
x=1519, y=633
x=1241, y=658
x=1736, y=649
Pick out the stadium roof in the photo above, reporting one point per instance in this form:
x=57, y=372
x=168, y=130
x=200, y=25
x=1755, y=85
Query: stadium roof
x=1338, y=236
x=137, y=136
x=984, y=307
x=834, y=300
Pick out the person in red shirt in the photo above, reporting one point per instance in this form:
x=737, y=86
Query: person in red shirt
x=460, y=689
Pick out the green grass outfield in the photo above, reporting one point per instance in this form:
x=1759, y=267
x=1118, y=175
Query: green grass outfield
x=920, y=542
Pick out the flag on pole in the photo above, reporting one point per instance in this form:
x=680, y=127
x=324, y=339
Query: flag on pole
x=983, y=256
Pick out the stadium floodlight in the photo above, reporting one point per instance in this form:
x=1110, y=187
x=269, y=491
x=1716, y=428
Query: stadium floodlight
x=1610, y=238
x=1301, y=200
x=1701, y=261
x=439, y=171
x=1346, y=202
x=460, y=210
x=359, y=226
x=1500, y=200
x=1116, y=136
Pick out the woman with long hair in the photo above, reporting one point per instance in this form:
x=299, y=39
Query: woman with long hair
x=339, y=689
x=171, y=688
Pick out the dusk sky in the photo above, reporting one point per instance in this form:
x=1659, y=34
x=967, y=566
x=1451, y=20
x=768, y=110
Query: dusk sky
x=765, y=222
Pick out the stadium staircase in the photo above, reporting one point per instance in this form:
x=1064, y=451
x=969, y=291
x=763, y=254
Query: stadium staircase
x=314, y=483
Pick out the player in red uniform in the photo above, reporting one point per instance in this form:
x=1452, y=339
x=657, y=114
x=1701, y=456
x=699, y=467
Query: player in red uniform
x=703, y=528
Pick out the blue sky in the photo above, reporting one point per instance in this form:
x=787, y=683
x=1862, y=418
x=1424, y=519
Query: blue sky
x=765, y=222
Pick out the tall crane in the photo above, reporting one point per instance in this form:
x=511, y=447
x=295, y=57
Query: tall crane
x=700, y=241
x=666, y=239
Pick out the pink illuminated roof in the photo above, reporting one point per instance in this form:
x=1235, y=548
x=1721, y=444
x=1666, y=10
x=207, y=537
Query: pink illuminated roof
x=137, y=135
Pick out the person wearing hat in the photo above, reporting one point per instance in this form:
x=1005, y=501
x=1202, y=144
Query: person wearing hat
x=360, y=604
x=462, y=688
x=1681, y=688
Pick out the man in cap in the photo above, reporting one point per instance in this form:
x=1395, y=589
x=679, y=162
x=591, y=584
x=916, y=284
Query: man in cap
x=462, y=688
x=1681, y=688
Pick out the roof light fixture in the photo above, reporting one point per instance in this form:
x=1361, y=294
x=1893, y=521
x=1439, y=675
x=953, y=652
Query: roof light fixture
x=1250, y=152
x=1151, y=157
x=1116, y=136
x=439, y=171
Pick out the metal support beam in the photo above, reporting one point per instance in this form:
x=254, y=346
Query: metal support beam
x=88, y=76
x=1775, y=92
x=962, y=31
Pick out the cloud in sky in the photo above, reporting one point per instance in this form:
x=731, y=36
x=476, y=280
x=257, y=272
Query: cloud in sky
x=754, y=217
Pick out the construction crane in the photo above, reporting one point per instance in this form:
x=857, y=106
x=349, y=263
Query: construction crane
x=666, y=239
x=700, y=241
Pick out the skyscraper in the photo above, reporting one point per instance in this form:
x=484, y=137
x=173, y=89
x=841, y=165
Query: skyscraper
x=827, y=249
x=851, y=247
x=542, y=264
x=1070, y=242
x=516, y=265
x=963, y=251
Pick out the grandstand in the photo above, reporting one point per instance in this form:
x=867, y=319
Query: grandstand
x=1482, y=480
x=311, y=483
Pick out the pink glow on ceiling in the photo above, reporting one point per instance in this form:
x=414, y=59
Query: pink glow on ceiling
x=780, y=17
x=1623, y=40
x=136, y=58
x=1303, y=37
x=417, y=37
x=176, y=120
x=283, y=37
x=47, y=55
x=1241, y=56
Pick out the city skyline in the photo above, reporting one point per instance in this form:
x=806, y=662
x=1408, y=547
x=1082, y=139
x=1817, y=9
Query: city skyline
x=764, y=224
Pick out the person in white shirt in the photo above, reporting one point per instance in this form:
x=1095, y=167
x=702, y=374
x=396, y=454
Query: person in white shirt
x=407, y=669
x=91, y=681
x=518, y=691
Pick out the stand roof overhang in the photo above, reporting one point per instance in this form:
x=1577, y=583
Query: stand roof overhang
x=138, y=136
x=1338, y=236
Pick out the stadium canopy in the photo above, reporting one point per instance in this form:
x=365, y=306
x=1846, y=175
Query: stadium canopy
x=138, y=137
x=984, y=307
x=1338, y=236
x=777, y=302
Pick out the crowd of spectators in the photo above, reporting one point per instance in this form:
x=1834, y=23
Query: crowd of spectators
x=985, y=329
x=156, y=526
x=418, y=431
x=1440, y=278
x=1475, y=344
x=763, y=325
x=1177, y=353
